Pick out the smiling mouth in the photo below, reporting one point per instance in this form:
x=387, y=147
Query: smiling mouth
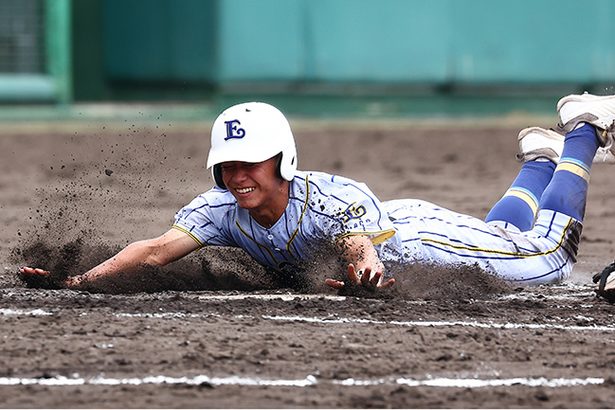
x=244, y=190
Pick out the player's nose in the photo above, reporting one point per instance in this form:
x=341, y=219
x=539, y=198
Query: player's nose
x=239, y=174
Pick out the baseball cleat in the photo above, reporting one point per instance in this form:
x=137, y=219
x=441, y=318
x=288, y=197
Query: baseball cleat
x=606, y=155
x=606, y=283
x=596, y=110
x=536, y=142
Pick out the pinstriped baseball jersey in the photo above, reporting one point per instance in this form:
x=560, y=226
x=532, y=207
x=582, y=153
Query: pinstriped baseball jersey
x=321, y=208
x=324, y=208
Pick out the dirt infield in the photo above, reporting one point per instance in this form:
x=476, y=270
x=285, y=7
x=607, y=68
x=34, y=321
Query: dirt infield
x=227, y=335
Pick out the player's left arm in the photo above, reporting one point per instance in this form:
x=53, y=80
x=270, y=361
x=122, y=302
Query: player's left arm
x=364, y=266
x=118, y=270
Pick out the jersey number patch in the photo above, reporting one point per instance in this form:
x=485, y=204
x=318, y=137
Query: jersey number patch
x=353, y=212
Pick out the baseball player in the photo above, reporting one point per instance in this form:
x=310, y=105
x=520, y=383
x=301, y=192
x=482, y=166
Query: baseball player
x=279, y=215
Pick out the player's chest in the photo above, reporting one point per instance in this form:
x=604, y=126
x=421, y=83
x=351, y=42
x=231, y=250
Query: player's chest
x=288, y=241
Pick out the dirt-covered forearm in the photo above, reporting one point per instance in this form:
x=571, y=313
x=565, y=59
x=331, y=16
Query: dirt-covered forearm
x=360, y=251
x=120, y=268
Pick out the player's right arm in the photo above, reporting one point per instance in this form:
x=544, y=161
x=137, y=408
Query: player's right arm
x=364, y=266
x=169, y=247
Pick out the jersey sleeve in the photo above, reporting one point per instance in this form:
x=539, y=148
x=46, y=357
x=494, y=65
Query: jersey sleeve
x=352, y=209
x=203, y=220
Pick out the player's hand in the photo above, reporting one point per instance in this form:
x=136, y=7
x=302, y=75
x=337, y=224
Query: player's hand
x=364, y=279
x=40, y=278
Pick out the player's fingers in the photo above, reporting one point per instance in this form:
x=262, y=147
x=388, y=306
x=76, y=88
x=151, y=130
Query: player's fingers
x=336, y=284
x=367, y=273
x=352, y=274
x=387, y=284
x=375, y=279
x=33, y=271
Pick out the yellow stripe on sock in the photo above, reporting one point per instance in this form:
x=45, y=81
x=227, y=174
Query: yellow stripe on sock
x=573, y=168
x=525, y=198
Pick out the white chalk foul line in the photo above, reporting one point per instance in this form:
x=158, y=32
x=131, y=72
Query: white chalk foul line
x=273, y=296
x=163, y=315
x=136, y=381
x=338, y=320
x=307, y=381
x=441, y=323
x=477, y=383
x=21, y=312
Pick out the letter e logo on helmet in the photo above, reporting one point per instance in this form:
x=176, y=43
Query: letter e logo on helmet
x=232, y=131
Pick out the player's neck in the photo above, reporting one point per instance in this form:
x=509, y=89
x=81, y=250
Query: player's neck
x=271, y=211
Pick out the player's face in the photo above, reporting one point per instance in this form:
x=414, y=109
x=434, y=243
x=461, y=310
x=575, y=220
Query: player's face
x=256, y=186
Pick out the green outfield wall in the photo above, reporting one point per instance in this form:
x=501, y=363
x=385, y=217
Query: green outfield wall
x=383, y=41
x=192, y=49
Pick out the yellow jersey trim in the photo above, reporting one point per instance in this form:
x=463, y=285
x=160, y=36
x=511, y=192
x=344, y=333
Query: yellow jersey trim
x=190, y=234
x=500, y=252
x=376, y=237
x=305, y=206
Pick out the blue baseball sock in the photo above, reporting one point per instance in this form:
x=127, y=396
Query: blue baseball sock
x=567, y=192
x=519, y=204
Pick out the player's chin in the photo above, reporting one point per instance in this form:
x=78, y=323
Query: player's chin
x=247, y=202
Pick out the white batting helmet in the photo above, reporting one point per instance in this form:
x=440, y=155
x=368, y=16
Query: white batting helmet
x=252, y=132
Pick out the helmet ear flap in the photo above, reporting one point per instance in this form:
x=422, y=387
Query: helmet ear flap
x=288, y=165
x=216, y=172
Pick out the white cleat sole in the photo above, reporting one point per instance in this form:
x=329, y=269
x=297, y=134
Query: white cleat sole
x=594, y=109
